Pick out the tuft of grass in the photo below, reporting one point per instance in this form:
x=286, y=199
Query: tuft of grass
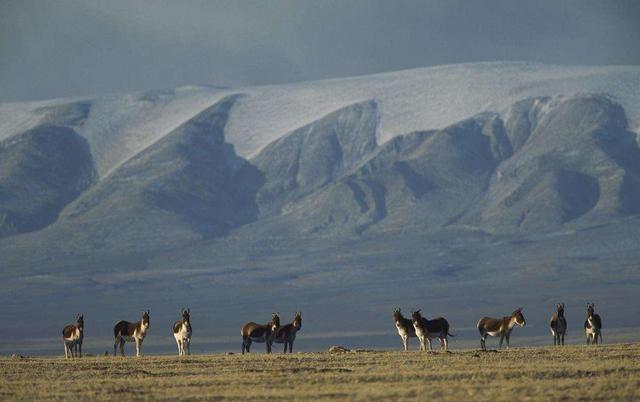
x=610, y=372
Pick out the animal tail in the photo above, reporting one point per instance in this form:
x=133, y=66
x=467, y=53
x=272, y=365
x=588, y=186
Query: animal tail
x=450, y=334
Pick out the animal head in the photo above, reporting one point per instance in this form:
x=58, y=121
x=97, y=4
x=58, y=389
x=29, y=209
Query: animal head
x=519, y=317
x=145, y=319
x=297, y=320
x=80, y=321
x=590, y=309
x=560, y=309
x=397, y=315
x=186, y=316
x=275, y=321
x=416, y=316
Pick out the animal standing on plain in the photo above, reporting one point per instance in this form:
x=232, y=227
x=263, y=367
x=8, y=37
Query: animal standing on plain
x=502, y=327
x=133, y=332
x=182, y=333
x=426, y=330
x=558, y=325
x=72, y=338
x=405, y=328
x=252, y=332
x=287, y=333
x=593, y=325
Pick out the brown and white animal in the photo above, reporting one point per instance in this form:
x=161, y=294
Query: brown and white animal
x=182, y=333
x=132, y=332
x=501, y=327
x=287, y=333
x=426, y=330
x=593, y=325
x=260, y=333
x=405, y=328
x=72, y=338
x=558, y=325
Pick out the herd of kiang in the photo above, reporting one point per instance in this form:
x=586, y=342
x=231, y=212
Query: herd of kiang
x=426, y=330
x=438, y=328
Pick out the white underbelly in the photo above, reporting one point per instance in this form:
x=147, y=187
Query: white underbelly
x=493, y=333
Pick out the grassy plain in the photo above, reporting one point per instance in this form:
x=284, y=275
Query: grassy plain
x=608, y=372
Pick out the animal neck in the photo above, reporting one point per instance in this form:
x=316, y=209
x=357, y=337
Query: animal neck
x=140, y=327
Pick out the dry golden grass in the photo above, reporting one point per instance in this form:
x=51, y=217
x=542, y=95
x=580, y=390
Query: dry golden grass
x=573, y=372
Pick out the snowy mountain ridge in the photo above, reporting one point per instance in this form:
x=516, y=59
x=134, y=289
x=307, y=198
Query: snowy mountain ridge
x=119, y=126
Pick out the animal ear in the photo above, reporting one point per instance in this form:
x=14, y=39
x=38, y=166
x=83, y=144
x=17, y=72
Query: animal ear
x=188, y=311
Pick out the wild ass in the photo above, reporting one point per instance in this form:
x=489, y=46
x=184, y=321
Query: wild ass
x=182, y=332
x=72, y=338
x=287, y=333
x=592, y=325
x=252, y=332
x=558, y=325
x=405, y=328
x=501, y=327
x=426, y=330
x=133, y=332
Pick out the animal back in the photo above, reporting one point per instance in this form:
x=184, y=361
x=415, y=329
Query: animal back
x=253, y=329
x=123, y=328
x=69, y=331
x=597, y=321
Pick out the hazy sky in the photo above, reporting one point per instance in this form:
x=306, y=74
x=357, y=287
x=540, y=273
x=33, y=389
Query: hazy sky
x=60, y=48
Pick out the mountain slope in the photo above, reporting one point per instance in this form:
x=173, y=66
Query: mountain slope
x=41, y=170
x=467, y=189
x=188, y=185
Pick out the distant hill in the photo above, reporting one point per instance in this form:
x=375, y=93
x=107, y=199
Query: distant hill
x=459, y=188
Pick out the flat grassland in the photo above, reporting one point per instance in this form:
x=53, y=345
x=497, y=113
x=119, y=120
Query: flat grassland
x=609, y=372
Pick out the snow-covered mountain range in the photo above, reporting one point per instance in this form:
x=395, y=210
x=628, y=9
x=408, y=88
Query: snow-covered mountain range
x=466, y=185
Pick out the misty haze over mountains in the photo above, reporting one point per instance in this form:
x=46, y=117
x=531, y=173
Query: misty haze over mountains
x=464, y=190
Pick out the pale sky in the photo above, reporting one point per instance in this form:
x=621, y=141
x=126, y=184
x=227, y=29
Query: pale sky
x=62, y=48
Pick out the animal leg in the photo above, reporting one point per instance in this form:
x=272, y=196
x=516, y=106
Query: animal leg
x=507, y=336
x=291, y=347
x=66, y=353
x=138, y=346
x=562, y=339
x=80, y=349
x=285, y=347
x=405, y=343
x=179, y=350
x=430, y=345
x=189, y=347
x=115, y=346
x=122, y=341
